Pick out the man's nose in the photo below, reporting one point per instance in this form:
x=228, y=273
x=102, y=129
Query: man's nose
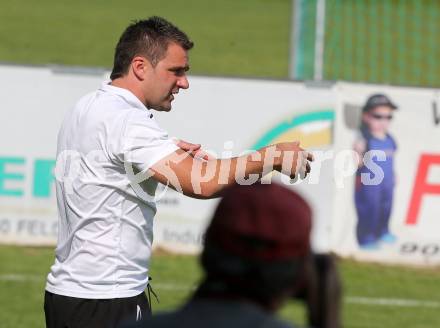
x=183, y=82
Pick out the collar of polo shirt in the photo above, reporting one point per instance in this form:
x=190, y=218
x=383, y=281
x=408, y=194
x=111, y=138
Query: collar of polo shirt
x=128, y=96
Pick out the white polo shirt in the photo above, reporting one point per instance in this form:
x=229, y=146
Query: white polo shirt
x=105, y=223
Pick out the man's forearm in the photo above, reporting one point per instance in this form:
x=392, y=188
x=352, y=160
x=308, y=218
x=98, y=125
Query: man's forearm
x=199, y=178
x=246, y=169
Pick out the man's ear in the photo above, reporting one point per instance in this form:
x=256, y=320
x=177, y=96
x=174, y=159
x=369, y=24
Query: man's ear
x=140, y=67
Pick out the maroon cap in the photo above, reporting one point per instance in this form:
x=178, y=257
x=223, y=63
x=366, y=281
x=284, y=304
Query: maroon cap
x=262, y=222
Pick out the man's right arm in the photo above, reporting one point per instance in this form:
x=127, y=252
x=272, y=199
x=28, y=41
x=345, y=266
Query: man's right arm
x=204, y=179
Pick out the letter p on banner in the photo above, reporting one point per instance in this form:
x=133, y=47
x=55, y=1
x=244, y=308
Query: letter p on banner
x=421, y=186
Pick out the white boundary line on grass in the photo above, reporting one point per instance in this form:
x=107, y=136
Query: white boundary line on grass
x=391, y=302
x=380, y=301
x=19, y=277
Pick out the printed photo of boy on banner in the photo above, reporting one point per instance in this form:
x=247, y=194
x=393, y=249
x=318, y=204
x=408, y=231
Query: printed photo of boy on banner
x=387, y=174
x=374, y=192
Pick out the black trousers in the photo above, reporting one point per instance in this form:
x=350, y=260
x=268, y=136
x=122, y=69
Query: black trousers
x=71, y=312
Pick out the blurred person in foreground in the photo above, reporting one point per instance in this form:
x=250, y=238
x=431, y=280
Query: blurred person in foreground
x=256, y=256
x=111, y=155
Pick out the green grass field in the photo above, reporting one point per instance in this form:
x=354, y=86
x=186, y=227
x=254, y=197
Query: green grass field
x=246, y=37
x=374, y=296
x=392, y=41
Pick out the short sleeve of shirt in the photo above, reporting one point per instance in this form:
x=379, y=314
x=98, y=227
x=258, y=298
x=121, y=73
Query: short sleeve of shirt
x=143, y=142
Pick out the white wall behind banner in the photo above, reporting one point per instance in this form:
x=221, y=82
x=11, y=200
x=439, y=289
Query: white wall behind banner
x=415, y=216
x=227, y=116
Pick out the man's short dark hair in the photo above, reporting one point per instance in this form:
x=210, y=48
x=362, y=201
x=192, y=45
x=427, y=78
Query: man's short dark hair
x=148, y=38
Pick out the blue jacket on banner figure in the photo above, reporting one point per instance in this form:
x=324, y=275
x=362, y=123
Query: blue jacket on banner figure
x=373, y=191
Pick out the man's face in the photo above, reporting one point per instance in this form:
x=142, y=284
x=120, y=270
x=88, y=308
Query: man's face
x=167, y=78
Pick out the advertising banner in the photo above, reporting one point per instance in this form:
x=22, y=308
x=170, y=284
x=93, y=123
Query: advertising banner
x=229, y=116
x=226, y=115
x=33, y=102
x=374, y=187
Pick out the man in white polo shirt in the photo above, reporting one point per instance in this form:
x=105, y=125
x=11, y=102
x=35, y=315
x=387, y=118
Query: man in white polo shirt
x=111, y=155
